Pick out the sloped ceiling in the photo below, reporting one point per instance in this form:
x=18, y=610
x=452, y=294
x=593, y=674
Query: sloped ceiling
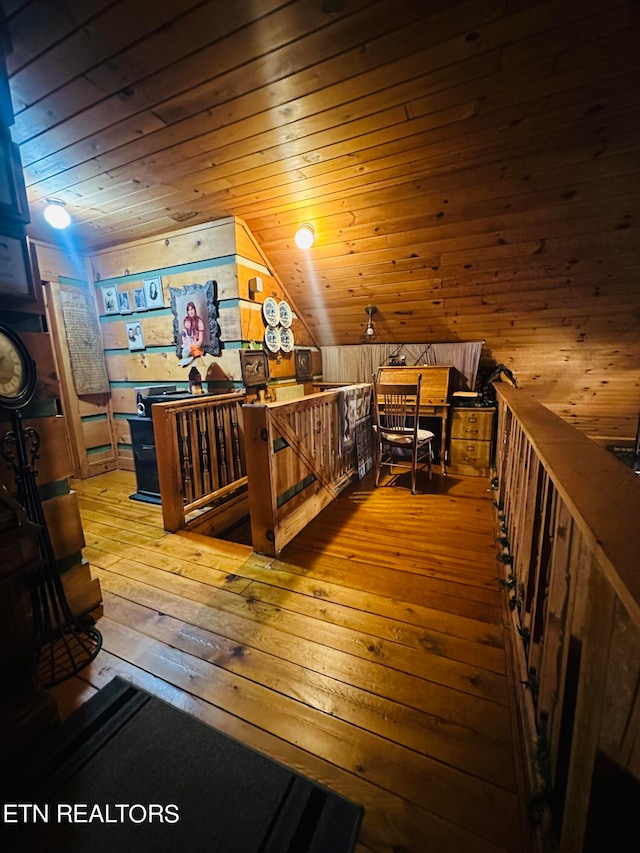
x=470, y=168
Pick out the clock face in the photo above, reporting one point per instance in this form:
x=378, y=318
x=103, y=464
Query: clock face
x=17, y=371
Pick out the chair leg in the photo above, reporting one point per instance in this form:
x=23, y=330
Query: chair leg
x=378, y=463
x=414, y=468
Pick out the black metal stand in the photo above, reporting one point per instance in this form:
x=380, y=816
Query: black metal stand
x=65, y=642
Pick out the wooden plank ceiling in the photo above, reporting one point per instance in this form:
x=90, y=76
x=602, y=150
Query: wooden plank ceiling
x=470, y=168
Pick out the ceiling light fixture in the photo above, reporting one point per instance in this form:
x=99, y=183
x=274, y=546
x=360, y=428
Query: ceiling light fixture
x=371, y=329
x=304, y=236
x=56, y=213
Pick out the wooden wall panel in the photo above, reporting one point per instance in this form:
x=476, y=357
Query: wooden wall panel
x=122, y=430
x=190, y=245
x=39, y=346
x=97, y=432
x=54, y=463
x=65, y=527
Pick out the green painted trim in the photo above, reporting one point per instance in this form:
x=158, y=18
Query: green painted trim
x=124, y=446
x=147, y=350
x=279, y=444
x=99, y=449
x=154, y=312
x=69, y=562
x=230, y=345
x=40, y=409
x=178, y=268
x=86, y=419
x=54, y=489
x=23, y=322
x=73, y=282
x=295, y=490
x=35, y=409
x=131, y=383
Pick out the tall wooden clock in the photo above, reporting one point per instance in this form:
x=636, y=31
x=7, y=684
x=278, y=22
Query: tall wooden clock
x=26, y=710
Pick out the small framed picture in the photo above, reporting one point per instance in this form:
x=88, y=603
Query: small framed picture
x=304, y=366
x=124, y=306
x=255, y=367
x=110, y=299
x=16, y=279
x=139, y=300
x=135, y=338
x=153, y=295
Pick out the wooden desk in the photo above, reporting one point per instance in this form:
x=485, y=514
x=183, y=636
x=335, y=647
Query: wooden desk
x=434, y=394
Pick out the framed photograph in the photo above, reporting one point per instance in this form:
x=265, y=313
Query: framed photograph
x=139, y=300
x=124, y=306
x=304, y=365
x=195, y=320
x=16, y=279
x=110, y=299
x=135, y=339
x=153, y=296
x=255, y=367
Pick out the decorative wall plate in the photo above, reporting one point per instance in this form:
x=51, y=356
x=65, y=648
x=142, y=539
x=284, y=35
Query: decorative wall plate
x=272, y=338
x=286, y=340
x=285, y=314
x=270, y=311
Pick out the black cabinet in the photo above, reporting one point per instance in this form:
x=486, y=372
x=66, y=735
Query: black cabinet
x=144, y=459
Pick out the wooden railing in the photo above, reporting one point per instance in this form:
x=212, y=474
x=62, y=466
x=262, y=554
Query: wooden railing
x=201, y=465
x=299, y=457
x=569, y=516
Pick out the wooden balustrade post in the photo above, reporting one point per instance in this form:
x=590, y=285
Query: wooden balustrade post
x=169, y=473
x=594, y=627
x=258, y=445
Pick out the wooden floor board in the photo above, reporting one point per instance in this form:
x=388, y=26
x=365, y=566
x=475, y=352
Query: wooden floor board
x=454, y=745
x=369, y=656
x=443, y=702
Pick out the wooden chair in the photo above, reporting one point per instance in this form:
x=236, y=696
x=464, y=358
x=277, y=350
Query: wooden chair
x=397, y=428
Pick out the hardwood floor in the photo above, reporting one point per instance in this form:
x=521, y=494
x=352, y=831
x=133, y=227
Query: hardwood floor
x=369, y=657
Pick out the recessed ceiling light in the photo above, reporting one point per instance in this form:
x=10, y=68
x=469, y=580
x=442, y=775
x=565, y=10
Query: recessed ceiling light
x=56, y=214
x=304, y=236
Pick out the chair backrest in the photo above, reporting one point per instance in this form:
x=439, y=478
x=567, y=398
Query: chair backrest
x=397, y=406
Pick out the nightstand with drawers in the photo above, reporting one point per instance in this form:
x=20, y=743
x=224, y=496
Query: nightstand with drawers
x=471, y=445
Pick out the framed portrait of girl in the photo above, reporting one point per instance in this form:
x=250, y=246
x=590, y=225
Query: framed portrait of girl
x=195, y=320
